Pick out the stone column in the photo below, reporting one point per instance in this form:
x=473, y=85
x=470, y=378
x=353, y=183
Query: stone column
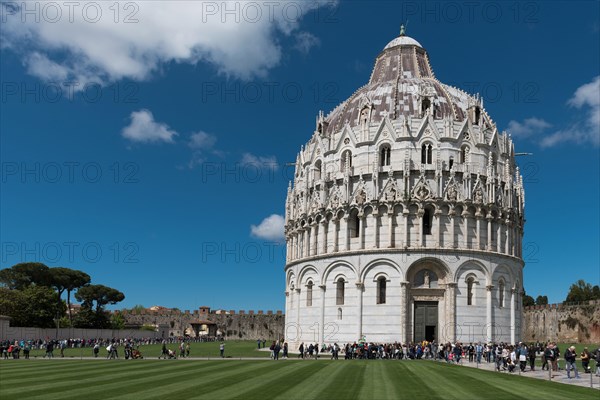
x=374, y=221
x=451, y=308
x=315, y=235
x=452, y=215
x=390, y=220
x=324, y=228
x=478, y=229
x=489, y=232
x=306, y=247
x=405, y=213
x=322, y=322
x=513, y=295
x=347, y=230
x=465, y=215
x=298, y=309
x=499, y=236
x=507, y=243
x=336, y=234
x=404, y=286
x=488, y=313
x=362, y=219
x=420, y=234
x=438, y=226
x=359, y=286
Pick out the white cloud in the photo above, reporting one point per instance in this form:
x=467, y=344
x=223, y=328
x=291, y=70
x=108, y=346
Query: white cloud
x=271, y=228
x=144, y=129
x=306, y=41
x=239, y=38
x=586, y=98
x=202, y=141
x=529, y=127
x=260, y=161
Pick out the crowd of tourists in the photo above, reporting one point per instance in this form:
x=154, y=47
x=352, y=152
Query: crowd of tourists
x=16, y=349
x=505, y=357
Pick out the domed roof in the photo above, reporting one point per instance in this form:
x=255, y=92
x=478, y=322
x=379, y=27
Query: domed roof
x=402, y=77
x=402, y=41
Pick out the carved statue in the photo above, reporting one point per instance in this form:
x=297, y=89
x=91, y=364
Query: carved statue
x=422, y=192
x=426, y=280
x=478, y=196
x=452, y=194
x=390, y=194
x=361, y=197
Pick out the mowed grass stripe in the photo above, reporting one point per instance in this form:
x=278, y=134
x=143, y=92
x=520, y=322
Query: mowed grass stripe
x=268, y=383
x=443, y=377
x=480, y=383
x=103, y=377
x=128, y=386
x=232, y=371
x=338, y=377
x=59, y=372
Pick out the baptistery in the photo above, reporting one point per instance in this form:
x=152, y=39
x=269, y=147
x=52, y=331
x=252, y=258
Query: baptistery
x=404, y=220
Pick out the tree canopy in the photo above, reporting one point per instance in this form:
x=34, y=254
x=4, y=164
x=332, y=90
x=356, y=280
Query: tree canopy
x=31, y=294
x=100, y=294
x=583, y=291
x=22, y=275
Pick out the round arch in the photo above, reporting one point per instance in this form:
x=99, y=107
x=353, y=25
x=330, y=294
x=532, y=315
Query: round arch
x=436, y=265
x=378, y=262
x=341, y=265
x=304, y=270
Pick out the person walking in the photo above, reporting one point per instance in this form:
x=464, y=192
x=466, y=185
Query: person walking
x=301, y=350
x=585, y=360
x=532, y=355
x=285, y=350
x=164, y=353
x=570, y=357
x=548, y=358
x=222, y=349
x=523, y=353
x=276, y=351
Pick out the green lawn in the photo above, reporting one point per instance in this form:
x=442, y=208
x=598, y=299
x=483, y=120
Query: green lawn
x=247, y=379
x=242, y=348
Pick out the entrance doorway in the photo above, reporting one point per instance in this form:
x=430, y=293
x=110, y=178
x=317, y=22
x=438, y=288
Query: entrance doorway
x=426, y=321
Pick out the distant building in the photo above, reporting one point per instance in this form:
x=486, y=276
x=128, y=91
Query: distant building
x=405, y=218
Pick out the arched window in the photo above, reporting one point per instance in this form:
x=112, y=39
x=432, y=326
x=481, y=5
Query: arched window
x=318, y=170
x=346, y=160
x=427, y=217
x=470, y=281
x=339, y=292
x=464, y=154
x=339, y=313
x=426, y=153
x=501, y=294
x=309, y=292
x=381, y=286
x=450, y=162
x=477, y=116
x=385, y=155
x=425, y=105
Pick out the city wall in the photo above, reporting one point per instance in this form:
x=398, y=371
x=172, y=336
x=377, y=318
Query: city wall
x=563, y=323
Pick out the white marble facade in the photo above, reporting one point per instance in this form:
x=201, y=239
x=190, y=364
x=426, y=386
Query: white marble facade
x=405, y=218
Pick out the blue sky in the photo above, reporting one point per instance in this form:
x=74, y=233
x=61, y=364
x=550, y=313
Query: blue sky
x=148, y=146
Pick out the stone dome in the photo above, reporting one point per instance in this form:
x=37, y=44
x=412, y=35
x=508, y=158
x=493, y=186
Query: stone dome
x=401, y=79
